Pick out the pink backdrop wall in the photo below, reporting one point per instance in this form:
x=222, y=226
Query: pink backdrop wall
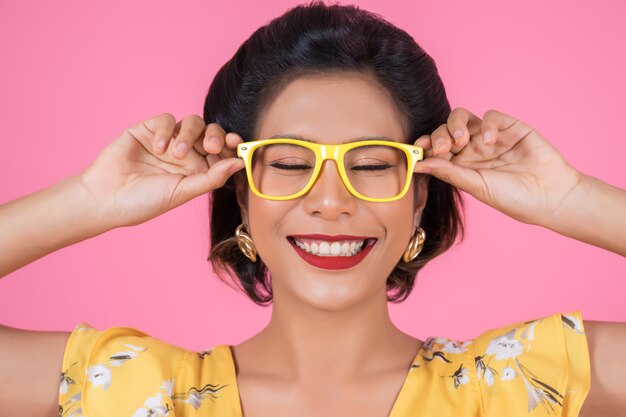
x=75, y=74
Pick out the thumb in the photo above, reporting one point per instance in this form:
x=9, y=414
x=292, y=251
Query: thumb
x=463, y=178
x=203, y=182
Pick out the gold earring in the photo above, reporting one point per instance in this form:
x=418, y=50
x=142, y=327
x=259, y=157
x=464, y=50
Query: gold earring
x=415, y=245
x=246, y=245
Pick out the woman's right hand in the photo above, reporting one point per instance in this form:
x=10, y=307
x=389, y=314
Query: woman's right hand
x=133, y=181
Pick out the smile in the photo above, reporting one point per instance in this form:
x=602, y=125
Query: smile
x=332, y=252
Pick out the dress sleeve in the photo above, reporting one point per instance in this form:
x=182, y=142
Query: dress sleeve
x=120, y=371
x=537, y=368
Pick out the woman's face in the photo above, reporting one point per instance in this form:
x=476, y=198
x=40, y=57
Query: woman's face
x=331, y=109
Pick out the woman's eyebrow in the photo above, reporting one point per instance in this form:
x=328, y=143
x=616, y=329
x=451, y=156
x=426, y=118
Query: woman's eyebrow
x=360, y=138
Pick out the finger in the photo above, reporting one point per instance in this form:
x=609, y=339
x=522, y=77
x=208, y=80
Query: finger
x=189, y=129
x=458, y=176
x=213, y=138
x=496, y=123
x=155, y=133
x=463, y=124
x=424, y=142
x=201, y=183
x=224, y=144
x=197, y=145
x=441, y=140
x=232, y=139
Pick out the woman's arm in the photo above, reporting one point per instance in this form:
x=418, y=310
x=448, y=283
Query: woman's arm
x=607, y=355
x=41, y=223
x=132, y=180
x=593, y=212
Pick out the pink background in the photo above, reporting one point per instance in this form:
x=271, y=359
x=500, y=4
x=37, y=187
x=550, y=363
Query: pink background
x=75, y=74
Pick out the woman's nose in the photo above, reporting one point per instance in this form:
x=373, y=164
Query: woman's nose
x=329, y=196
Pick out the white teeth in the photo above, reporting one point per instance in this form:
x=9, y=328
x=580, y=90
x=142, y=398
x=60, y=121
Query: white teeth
x=324, y=248
x=321, y=248
x=345, y=248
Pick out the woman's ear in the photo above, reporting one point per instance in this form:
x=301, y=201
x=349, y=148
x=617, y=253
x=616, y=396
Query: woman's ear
x=241, y=190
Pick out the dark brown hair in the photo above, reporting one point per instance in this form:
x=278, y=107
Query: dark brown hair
x=311, y=39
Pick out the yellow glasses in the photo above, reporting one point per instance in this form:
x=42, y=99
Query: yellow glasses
x=373, y=170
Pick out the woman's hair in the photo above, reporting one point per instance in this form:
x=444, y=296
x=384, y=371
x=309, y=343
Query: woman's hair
x=317, y=39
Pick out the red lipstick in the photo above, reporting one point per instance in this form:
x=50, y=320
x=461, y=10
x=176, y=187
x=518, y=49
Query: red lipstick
x=333, y=262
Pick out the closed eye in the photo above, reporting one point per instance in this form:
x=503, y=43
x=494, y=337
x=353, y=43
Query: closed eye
x=290, y=166
x=376, y=167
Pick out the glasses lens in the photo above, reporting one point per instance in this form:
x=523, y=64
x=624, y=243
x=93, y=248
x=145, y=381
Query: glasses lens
x=376, y=171
x=280, y=170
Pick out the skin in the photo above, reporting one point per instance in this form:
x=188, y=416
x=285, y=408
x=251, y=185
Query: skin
x=329, y=329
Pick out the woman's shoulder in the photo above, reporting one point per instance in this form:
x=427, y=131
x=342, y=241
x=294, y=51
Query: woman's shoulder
x=127, y=371
x=539, y=366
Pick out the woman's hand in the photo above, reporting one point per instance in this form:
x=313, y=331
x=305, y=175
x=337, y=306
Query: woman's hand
x=502, y=162
x=134, y=180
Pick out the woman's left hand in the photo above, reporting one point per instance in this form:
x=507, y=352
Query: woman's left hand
x=502, y=162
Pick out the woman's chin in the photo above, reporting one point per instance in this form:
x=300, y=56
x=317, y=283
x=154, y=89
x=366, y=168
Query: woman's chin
x=328, y=293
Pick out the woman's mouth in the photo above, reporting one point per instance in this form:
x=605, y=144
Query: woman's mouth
x=332, y=252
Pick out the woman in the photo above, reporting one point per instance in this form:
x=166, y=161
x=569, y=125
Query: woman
x=329, y=242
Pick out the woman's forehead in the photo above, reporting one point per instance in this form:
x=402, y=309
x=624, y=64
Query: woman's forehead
x=338, y=111
x=353, y=139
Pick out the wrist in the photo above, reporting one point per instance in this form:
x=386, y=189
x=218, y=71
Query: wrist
x=567, y=214
x=86, y=211
x=593, y=212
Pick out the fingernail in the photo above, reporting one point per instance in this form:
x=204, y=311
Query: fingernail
x=181, y=148
x=439, y=142
x=487, y=138
x=161, y=145
x=458, y=134
x=213, y=140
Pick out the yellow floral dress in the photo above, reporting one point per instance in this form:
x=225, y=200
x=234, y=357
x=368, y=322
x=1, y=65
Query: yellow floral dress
x=534, y=368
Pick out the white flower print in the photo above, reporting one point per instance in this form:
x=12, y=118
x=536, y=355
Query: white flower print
x=77, y=413
x=505, y=347
x=508, y=374
x=461, y=376
x=72, y=402
x=205, y=352
x=489, y=376
x=99, y=375
x=512, y=346
x=454, y=347
x=484, y=370
x=118, y=358
x=153, y=407
x=529, y=332
x=572, y=322
x=66, y=380
x=64, y=386
x=541, y=393
x=168, y=387
x=428, y=344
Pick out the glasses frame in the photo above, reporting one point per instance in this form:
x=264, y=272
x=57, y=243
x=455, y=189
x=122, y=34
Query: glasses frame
x=414, y=154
